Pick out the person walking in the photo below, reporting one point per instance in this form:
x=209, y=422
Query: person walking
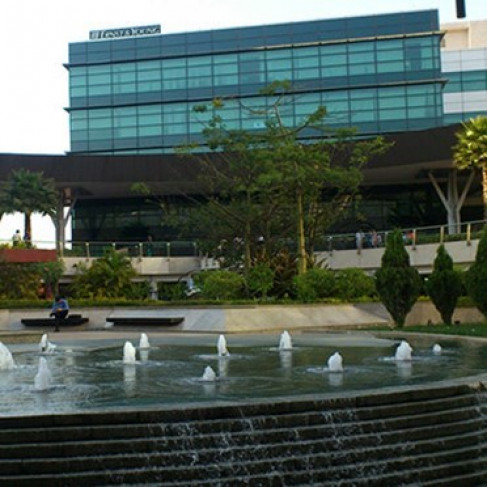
x=16, y=238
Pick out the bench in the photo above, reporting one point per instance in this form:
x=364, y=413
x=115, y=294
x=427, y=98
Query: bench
x=150, y=321
x=70, y=320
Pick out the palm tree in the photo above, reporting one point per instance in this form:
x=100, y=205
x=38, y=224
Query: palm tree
x=470, y=151
x=28, y=192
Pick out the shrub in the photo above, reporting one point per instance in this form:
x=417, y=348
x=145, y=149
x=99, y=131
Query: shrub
x=221, y=284
x=284, y=265
x=171, y=291
x=109, y=276
x=476, y=276
x=19, y=281
x=260, y=279
x=315, y=284
x=444, y=286
x=397, y=283
x=353, y=283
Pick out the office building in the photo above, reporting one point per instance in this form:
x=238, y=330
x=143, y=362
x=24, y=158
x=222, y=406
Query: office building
x=132, y=92
x=379, y=73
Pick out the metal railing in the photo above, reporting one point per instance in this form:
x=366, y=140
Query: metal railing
x=467, y=232
x=327, y=243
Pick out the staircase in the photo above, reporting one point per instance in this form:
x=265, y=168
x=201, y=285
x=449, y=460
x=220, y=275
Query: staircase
x=425, y=436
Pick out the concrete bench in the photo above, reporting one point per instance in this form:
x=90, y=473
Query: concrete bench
x=70, y=320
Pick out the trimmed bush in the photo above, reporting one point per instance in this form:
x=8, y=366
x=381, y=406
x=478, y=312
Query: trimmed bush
x=476, y=276
x=315, y=284
x=221, y=284
x=444, y=286
x=353, y=283
x=398, y=284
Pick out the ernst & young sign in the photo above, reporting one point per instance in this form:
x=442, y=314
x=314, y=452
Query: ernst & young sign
x=125, y=32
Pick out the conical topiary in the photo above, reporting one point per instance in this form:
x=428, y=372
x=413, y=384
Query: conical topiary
x=398, y=284
x=444, y=286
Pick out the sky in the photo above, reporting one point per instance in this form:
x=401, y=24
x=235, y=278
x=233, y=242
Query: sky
x=34, y=38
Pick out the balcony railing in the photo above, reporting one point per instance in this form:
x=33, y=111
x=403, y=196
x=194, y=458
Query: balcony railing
x=467, y=232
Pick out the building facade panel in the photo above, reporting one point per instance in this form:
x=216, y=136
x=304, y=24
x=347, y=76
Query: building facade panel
x=464, y=64
x=137, y=95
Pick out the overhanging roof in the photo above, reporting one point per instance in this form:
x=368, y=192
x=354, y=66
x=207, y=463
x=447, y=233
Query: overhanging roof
x=413, y=154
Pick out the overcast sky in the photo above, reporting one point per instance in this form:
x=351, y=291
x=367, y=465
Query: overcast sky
x=34, y=38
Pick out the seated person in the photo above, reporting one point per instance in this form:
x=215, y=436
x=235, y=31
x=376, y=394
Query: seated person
x=60, y=309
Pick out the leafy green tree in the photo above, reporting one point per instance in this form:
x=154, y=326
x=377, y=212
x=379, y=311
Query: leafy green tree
x=270, y=181
x=29, y=192
x=476, y=276
x=398, y=284
x=109, y=276
x=444, y=286
x=470, y=151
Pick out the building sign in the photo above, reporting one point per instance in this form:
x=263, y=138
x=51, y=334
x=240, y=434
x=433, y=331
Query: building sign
x=125, y=32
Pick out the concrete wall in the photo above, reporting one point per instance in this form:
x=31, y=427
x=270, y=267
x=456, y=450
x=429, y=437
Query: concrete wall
x=251, y=319
x=421, y=256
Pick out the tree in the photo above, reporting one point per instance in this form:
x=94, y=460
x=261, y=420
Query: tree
x=444, y=285
x=470, y=151
x=29, y=192
x=270, y=181
x=476, y=276
x=398, y=284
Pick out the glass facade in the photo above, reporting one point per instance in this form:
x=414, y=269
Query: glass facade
x=379, y=74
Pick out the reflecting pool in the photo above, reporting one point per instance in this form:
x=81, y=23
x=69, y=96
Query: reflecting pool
x=94, y=375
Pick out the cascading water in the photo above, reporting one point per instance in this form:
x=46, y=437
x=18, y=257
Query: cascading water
x=42, y=380
x=222, y=346
x=144, y=342
x=6, y=360
x=285, y=342
x=335, y=363
x=128, y=353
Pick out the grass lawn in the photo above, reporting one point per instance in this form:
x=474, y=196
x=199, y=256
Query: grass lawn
x=463, y=329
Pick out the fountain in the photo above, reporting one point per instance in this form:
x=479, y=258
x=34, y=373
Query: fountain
x=222, y=347
x=144, y=342
x=45, y=346
x=6, y=360
x=285, y=342
x=335, y=363
x=209, y=375
x=403, y=351
x=42, y=380
x=128, y=353
x=348, y=428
